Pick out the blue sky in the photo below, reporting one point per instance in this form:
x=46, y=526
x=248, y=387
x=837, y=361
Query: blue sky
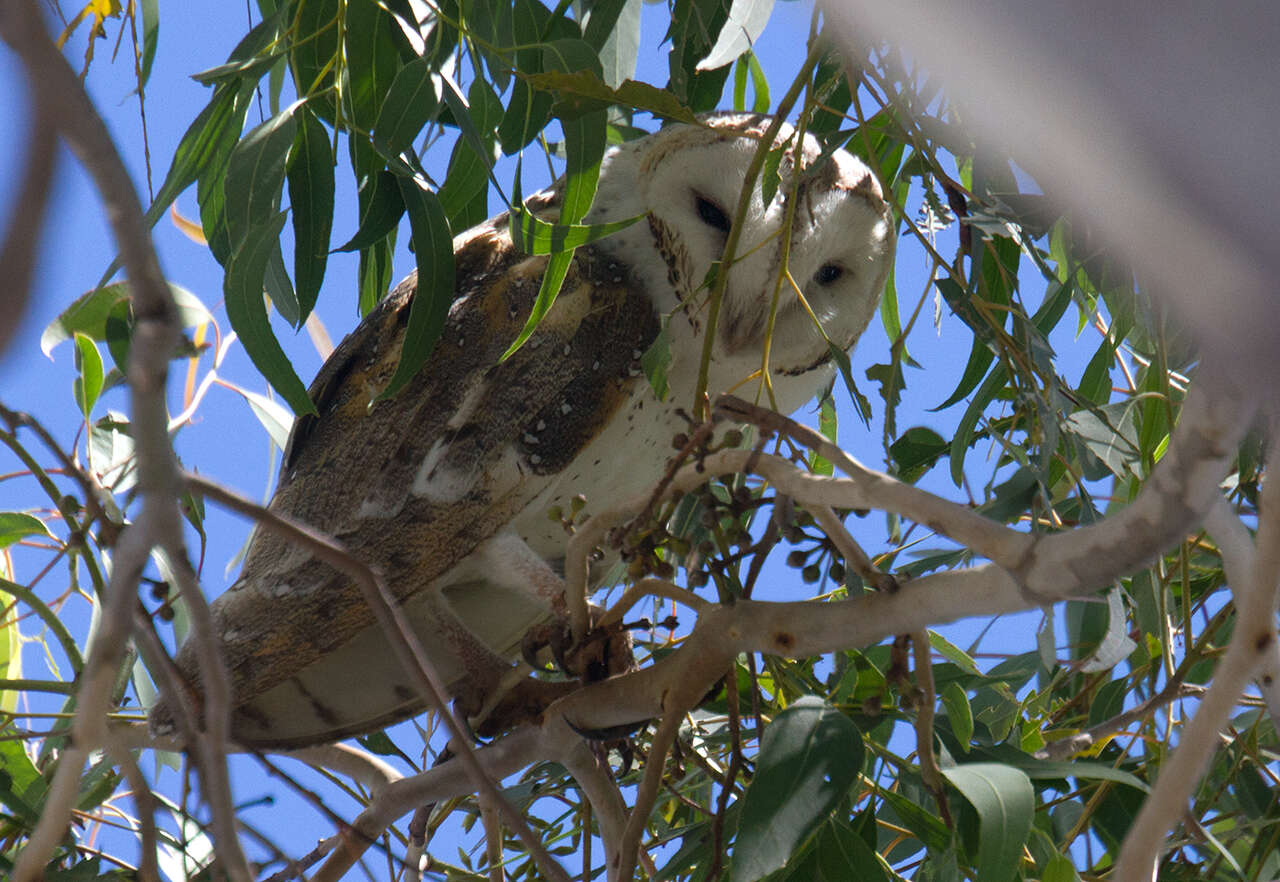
x=226, y=442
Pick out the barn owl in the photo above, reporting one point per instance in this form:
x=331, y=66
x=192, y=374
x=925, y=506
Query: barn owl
x=445, y=488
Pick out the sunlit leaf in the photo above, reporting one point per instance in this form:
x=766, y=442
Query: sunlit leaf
x=533, y=235
x=88, y=382
x=17, y=525
x=311, y=187
x=746, y=22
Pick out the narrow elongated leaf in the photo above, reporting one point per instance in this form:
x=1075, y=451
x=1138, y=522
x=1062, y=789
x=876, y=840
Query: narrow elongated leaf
x=21, y=788
x=747, y=19
x=584, y=139
x=409, y=103
x=311, y=187
x=255, y=174
x=968, y=422
x=533, y=235
x=255, y=52
x=433, y=245
x=829, y=426
x=242, y=289
x=381, y=207
x=314, y=54
x=10, y=660
x=956, y=701
x=695, y=27
x=461, y=114
x=150, y=38
x=809, y=758
x=656, y=361
x=1005, y=802
x=207, y=141
x=529, y=109
x=587, y=87
x=372, y=59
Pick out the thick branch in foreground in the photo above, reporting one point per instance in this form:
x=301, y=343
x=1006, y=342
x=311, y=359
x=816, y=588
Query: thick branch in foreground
x=68, y=109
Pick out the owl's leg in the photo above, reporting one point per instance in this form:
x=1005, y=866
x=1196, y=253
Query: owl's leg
x=490, y=601
x=508, y=562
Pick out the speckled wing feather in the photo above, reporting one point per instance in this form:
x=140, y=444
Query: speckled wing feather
x=497, y=435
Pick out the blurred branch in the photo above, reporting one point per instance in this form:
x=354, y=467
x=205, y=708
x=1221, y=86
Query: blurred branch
x=1254, y=577
x=22, y=244
x=73, y=115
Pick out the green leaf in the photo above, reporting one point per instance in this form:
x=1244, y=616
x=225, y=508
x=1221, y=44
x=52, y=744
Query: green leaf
x=746, y=22
x=10, y=656
x=255, y=52
x=584, y=139
x=381, y=207
x=311, y=187
x=1110, y=433
x=464, y=194
x=150, y=38
x=927, y=827
x=533, y=235
x=810, y=757
x=372, y=59
x=860, y=402
x=915, y=452
x=1005, y=803
x=759, y=84
x=433, y=245
x=956, y=701
x=91, y=312
x=965, y=429
x=1059, y=869
x=591, y=91
x=769, y=177
x=21, y=788
x=828, y=425
x=411, y=101
x=952, y=653
x=205, y=146
x=656, y=361
x=88, y=382
x=695, y=27
x=843, y=854
x=313, y=54
x=980, y=358
x=16, y=525
x=255, y=174
x=242, y=290
x=529, y=109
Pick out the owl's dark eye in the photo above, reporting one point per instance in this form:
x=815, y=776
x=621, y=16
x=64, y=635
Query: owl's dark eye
x=711, y=214
x=829, y=274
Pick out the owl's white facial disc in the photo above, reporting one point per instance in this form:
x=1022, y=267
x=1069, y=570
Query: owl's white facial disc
x=688, y=180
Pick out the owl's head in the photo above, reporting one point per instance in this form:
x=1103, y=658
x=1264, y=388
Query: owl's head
x=687, y=180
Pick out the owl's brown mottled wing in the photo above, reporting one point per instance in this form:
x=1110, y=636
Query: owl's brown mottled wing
x=351, y=470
